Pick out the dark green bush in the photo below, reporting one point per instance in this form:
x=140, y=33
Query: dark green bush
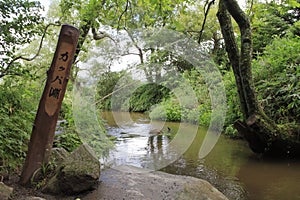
x=17, y=112
x=277, y=75
x=147, y=95
x=105, y=88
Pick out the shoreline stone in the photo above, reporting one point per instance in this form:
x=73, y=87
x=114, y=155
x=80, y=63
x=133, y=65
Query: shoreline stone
x=77, y=173
x=129, y=182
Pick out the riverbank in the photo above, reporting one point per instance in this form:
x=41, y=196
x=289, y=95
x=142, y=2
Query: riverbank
x=128, y=182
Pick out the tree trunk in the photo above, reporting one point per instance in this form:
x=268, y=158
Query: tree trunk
x=262, y=134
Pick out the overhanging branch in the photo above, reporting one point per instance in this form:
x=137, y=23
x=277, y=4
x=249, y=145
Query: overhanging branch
x=101, y=35
x=22, y=57
x=206, y=11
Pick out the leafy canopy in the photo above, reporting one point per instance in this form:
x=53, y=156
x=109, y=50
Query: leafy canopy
x=19, y=20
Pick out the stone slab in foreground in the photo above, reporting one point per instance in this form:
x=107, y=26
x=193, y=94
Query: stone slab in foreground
x=5, y=191
x=128, y=182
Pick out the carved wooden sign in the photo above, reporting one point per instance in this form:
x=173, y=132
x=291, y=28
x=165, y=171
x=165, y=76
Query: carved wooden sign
x=58, y=78
x=42, y=136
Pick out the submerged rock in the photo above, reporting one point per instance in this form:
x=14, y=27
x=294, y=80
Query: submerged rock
x=128, y=182
x=77, y=173
x=5, y=191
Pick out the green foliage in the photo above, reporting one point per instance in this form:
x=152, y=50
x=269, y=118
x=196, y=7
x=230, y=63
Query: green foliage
x=233, y=105
x=276, y=69
x=19, y=25
x=122, y=13
x=105, y=87
x=173, y=111
x=158, y=112
x=140, y=101
x=167, y=110
x=204, y=111
x=279, y=65
x=42, y=175
x=67, y=136
x=146, y=96
x=272, y=21
x=183, y=107
x=81, y=125
x=191, y=20
x=89, y=126
x=231, y=132
x=17, y=111
x=278, y=55
x=68, y=140
x=147, y=13
x=170, y=110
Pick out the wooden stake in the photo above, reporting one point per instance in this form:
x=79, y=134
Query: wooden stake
x=42, y=136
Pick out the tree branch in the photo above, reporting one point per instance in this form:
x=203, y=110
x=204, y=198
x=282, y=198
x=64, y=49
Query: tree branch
x=127, y=54
x=237, y=13
x=232, y=51
x=209, y=4
x=141, y=55
x=32, y=58
x=136, y=46
x=101, y=35
x=251, y=8
x=245, y=56
x=124, y=11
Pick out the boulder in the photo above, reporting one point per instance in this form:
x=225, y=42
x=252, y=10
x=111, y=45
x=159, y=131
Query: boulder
x=5, y=191
x=78, y=173
x=137, y=183
x=58, y=155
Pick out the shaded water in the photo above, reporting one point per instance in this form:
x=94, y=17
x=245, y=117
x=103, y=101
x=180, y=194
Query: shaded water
x=229, y=165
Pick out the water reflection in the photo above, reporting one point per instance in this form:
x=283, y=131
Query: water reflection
x=155, y=142
x=271, y=179
x=229, y=166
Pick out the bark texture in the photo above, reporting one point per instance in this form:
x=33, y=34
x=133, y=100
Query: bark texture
x=262, y=134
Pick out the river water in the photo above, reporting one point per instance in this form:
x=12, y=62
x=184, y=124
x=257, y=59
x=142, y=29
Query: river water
x=230, y=166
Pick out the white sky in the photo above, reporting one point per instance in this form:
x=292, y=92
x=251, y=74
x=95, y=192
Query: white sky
x=46, y=3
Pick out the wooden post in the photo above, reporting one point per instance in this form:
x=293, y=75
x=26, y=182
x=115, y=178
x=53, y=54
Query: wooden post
x=42, y=136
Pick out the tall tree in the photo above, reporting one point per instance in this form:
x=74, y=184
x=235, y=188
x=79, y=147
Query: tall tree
x=93, y=15
x=262, y=134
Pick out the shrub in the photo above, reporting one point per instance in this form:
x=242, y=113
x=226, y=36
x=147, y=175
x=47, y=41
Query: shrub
x=17, y=111
x=147, y=95
x=277, y=75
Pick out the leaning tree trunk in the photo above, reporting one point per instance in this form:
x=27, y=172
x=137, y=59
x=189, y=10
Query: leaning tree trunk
x=262, y=134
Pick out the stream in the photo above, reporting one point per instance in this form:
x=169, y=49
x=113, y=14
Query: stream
x=230, y=166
